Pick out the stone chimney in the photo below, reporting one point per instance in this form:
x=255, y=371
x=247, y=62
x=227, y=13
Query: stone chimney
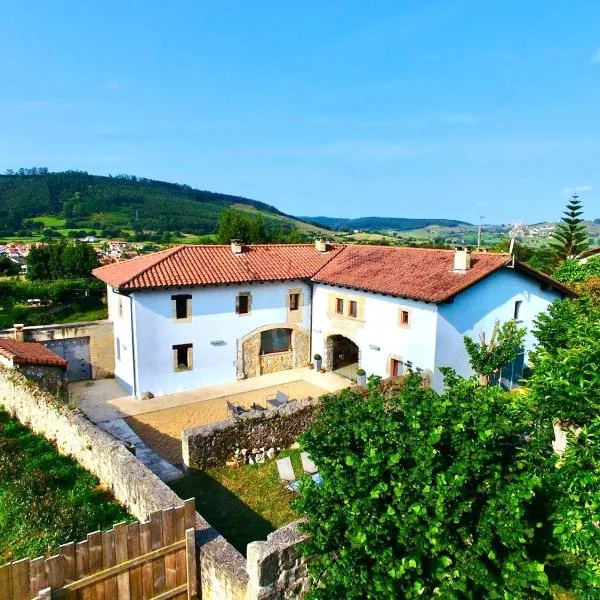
x=462, y=260
x=18, y=332
x=237, y=246
x=321, y=244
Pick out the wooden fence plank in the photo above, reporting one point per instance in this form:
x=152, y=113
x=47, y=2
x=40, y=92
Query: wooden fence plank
x=94, y=540
x=133, y=549
x=182, y=589
x=189, y=507
x=37, y=576
x=179, y=525
x=5, y=582
x=109, y=560
x=168, y=531
x=82, y=565
x=122, y=556
x=55, y=572
x=19, y=580
x=190, y=551
x=158, y=565
x=67, y=552
x=123, y=567
x=147, y=572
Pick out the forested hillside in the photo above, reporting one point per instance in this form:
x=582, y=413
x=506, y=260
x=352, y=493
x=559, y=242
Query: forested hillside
x=379, y=223
x=123, y=202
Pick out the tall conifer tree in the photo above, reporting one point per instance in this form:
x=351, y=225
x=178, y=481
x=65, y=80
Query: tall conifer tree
x=570, y=236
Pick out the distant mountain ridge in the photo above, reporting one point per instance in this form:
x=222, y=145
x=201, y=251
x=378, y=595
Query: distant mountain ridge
x=125, y=201
x=380, y=223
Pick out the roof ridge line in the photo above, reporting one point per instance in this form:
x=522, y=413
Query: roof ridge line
x=340, y=250
x=166, y=253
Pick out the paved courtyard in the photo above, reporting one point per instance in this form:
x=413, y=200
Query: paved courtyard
x=159, y=421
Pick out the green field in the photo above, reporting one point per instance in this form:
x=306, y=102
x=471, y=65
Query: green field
x=45, y=499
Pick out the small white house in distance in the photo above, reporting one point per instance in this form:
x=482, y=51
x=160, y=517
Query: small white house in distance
x=193, y=316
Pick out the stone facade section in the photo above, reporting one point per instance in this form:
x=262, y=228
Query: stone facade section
x=100, y=333
x=279, y=361
x=276, y=569
x=211, y=445
x=49, y=377
x=250, y=362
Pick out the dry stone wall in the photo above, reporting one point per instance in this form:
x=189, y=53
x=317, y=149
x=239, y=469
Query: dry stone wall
x=211, y=445
x=224, y=572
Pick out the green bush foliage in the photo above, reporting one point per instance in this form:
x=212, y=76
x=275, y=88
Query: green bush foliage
x=425, y=495
x=45, y=499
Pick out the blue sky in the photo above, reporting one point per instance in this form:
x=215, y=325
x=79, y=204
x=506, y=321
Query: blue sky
x=417, y=108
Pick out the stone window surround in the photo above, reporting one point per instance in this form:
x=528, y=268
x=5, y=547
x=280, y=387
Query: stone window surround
x=188, y=298
x=295, y=315
x=390, y=358
x=190, y=358
x=346, y=298
x=249, y=311
x=401, y=311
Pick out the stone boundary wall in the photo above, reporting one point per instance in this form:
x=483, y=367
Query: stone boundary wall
x=276, y=568
x=102, y=351
x=224, y=572
x=211, y=445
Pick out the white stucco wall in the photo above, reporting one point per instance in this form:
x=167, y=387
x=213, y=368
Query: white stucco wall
x=380, y=328
x=124, y=364
x=478, y=308
x=213, y=318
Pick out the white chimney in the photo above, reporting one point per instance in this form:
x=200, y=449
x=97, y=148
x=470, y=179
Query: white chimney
x=236, y=246
x=462, y=260
x=321, y=245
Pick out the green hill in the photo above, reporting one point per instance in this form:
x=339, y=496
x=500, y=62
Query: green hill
x=34, y=199
x=380, y=223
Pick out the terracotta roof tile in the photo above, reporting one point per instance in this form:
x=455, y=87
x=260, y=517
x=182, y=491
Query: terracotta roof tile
x=418, y=273
x=30, y=353
x=213, y=265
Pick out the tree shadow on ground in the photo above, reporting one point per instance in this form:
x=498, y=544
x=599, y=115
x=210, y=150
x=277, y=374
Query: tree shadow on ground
x=227, y=513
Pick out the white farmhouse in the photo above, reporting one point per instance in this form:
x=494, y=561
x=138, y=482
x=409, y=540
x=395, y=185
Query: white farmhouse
x=193, y=316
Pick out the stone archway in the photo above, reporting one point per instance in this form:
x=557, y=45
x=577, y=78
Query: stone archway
x=342, y=355
x=251, y=362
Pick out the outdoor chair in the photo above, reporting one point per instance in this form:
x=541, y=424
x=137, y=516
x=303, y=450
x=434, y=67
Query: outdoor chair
x=235, y=409
x=278, y=399
x=258, y=407
x=310, y=468
x=286, y=474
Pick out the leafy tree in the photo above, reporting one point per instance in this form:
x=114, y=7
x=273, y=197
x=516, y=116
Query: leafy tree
x=570, y=236
x=424, y=495
x=504, y=346
x=61, y=260
x=544, y=259
x=572, y=271
x=565, y=388
x=8, y=267
x=522, y=252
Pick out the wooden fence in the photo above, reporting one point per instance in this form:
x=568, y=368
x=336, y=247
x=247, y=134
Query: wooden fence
x=155, y=560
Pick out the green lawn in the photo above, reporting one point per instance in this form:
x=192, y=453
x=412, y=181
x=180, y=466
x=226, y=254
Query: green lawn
x=49, y=221
x=243, y=504
x=45, y=499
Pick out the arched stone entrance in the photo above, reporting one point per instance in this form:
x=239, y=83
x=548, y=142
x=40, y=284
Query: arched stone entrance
x=272, y=348
x=342, y=355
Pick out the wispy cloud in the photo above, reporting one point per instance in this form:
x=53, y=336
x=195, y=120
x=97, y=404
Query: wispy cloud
x=596, y=57
x=578, y=189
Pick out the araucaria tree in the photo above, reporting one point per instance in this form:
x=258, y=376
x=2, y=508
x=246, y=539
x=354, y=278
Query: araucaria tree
x=424, y=495
x=570, y=237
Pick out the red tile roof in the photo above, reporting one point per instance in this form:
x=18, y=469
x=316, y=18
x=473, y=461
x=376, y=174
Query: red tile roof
x=30, y=353
x=213, y=265
x=418, y=273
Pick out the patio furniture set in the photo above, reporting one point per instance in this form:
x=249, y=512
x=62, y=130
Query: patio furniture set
x=273, y=401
